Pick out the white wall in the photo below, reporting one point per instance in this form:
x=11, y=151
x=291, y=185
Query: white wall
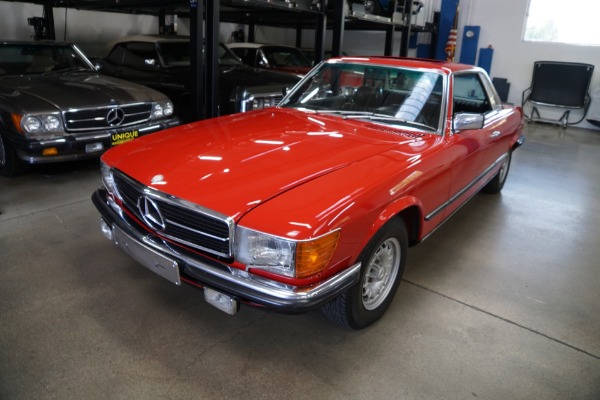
x=90, y=30
x=502, y=26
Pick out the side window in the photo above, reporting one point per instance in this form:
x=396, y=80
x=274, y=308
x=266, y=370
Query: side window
x=141, y=55
x=239, y=53
x=470, y=95
x=116, y=54
x=246, y=55
x=250, y=57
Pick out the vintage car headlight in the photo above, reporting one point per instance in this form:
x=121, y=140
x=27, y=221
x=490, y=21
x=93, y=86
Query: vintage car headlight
x=256, y=101
x=163, y=109
x=292, y=258
x=107, y=177
x=263, y=102
x=41, y=124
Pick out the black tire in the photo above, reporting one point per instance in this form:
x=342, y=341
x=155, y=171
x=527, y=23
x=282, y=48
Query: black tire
x=497, y=183
x=10, y=165
x=383, y=261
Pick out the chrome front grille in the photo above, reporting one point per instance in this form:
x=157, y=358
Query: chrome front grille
x=115, y=117
x=182, y=222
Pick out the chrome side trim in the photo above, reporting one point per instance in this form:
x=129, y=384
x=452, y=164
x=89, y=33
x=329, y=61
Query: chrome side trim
x=465, y=189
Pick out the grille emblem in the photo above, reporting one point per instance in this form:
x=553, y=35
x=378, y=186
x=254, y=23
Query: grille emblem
x=150, y=213
x=115, y=116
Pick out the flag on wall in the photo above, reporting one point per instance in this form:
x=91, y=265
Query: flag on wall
x=451, y=42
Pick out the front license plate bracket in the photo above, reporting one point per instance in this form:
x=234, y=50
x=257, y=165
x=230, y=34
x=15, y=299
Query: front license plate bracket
x=149, y=258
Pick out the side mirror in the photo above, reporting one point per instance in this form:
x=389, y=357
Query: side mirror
x=150, y=62
x=466, y=121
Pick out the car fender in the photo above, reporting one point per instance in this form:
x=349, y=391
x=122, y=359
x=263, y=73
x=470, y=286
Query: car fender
x=409, y=209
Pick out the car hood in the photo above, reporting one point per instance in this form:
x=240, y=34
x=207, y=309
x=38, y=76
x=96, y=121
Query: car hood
x=32, y=93
x=232, y=164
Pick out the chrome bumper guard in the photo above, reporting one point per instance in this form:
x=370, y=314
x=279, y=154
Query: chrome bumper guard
x=178, y=264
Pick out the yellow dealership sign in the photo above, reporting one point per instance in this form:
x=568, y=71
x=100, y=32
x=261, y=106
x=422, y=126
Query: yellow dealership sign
x=122, y=137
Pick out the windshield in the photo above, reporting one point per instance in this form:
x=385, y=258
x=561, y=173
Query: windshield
x=285, y=57
x=38, y=58
x=226, y=57
x=383, y=94
x=177, y=54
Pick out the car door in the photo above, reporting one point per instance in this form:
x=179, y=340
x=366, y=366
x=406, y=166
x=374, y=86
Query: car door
x=473, y=151
x=140, y=63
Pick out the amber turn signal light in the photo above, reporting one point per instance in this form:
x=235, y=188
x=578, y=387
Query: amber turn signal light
x=314, y=255
x=50, y=151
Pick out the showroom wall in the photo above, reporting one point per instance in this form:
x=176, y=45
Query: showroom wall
x=92, y=36
x=502, y=25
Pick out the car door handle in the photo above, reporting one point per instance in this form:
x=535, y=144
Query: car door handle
x=495, y=134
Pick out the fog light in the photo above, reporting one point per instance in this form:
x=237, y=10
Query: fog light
x=221, y=301
x=93, y=147
x=50, y=151
x=107, y=230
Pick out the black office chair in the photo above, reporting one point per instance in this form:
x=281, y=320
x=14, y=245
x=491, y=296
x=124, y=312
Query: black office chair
x=559, y=84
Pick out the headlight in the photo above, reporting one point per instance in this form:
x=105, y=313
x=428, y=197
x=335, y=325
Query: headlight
x=295, y=259
x=51, y=123
x=107, y=177
x=161, y=110
x=258, y=103
x=31, y=124
x=168, y=108
x=39, y=124
x=263, y=102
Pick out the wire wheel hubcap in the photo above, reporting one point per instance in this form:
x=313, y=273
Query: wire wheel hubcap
x=381, y=274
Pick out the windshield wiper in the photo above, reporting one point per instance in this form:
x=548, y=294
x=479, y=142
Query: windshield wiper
x=372, y=116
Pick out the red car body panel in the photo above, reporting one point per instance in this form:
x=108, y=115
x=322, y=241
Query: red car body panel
x=239, y=162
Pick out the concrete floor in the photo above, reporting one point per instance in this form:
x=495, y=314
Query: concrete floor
x=502, y=302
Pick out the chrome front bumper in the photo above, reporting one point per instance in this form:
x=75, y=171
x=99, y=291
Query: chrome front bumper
x=72, y=147
x=161, y=257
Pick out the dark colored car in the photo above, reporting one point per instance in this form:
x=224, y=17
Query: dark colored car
x=277, y=57
x=163, y=63
x=54, y=106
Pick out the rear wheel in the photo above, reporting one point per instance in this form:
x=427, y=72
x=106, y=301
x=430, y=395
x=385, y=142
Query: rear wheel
x=382, y=263
x=497, y=183
x=10, y=165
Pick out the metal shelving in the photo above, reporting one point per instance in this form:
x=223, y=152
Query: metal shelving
x=205, y=15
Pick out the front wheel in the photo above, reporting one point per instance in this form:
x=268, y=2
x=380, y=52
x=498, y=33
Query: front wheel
x=10, y=165
x=382, y=261
x=497, y=183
